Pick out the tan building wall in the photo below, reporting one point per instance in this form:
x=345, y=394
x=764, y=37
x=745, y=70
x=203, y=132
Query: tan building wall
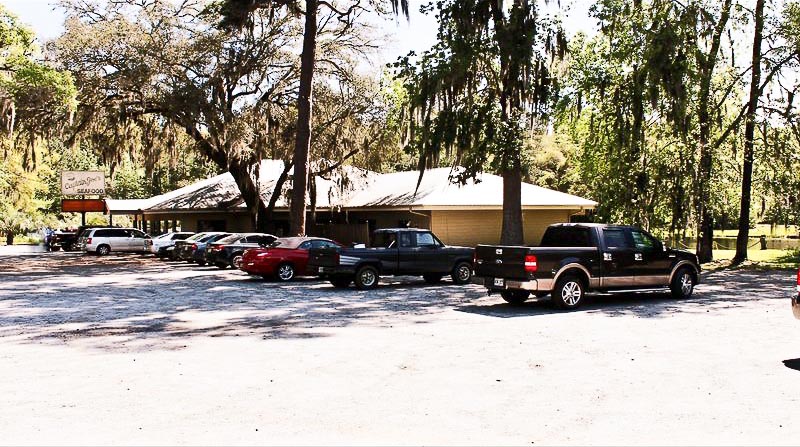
x=470, y=228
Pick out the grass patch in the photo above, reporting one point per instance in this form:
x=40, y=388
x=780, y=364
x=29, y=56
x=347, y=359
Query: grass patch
x=757, y=260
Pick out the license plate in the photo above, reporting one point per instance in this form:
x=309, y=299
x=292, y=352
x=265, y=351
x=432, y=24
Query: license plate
x=499, y=282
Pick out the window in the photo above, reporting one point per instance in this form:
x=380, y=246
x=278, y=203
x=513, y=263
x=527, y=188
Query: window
x=138, y=234
x=643, y=241
x=385, y=240
x=322, y=244
x=615, y=238
x=407, y=240
x=567, y=237
x=103, y=233
x=119, y=233
x=426, y=240
x=305, y=245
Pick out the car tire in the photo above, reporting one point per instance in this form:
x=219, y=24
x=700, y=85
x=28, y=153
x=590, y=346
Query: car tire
x=341, y=282
x=236, y=260
x=285, y=272
x=221, y=265
x=462, y=273
x=432, y=278
x=568, y=292
x=682, y=284
x=103, y=250
x=515, y=297
x=366, y=277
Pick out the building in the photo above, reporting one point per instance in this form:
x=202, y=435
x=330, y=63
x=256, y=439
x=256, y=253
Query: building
x=466, y=214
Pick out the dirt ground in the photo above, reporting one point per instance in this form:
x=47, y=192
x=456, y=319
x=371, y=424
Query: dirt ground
x=131, y=350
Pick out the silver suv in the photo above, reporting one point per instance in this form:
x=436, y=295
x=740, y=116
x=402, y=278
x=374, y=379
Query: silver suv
x=105, y=240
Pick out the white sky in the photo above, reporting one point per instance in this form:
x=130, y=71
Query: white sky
x=418, y=34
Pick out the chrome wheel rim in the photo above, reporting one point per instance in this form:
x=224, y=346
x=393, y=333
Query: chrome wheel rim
x=464, y=272
x=367, y=278
x=571, y=293
x=686, y=284
x=237, y=261
x=285, y=272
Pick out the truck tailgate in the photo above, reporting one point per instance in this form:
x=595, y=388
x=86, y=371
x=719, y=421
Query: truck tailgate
x=500, y=261
x=323, y=257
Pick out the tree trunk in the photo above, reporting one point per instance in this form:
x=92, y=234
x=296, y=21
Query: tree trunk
x=705, y=224
x=10, y=238
x=240, y=171
x=276, y=194
x=512, y=230
x=304, y=112
x=749, y=136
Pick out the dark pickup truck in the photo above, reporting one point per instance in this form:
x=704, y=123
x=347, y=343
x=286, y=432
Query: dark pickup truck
x=575, y=258
x=395, y=251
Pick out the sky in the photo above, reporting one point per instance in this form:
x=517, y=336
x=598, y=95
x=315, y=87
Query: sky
x=417, y=34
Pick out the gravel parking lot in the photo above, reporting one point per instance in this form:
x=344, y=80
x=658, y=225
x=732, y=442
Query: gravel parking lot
x=127, y=349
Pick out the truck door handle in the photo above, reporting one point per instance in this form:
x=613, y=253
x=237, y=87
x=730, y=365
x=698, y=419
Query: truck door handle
x=637, y=256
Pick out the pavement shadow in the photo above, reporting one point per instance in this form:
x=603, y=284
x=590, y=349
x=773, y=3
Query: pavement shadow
x=717, y=291
x=143, y=302
x=792, y=364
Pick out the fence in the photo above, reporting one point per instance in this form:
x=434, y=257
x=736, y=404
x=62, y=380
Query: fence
x=729, y=243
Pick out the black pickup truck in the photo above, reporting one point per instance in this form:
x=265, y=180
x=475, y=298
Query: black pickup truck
x=394, y=251
x=575, y=258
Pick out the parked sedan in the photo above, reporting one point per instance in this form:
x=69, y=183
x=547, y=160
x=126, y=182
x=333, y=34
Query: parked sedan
x=228, y=251
x=166, y=240
x=285, y=258
x=193, y=249
x=796, y=298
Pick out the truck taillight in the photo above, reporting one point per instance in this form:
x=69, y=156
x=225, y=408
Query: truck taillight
x=798, y=280
x=194, y=247
x=88, y=241
x=530, y=264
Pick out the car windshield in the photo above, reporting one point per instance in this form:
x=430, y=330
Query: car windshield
x=215, y=237
x=287, y=242
x=230, y=239
x=196, y=237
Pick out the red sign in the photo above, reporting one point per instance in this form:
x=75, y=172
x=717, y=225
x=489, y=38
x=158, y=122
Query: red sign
x=83, y=205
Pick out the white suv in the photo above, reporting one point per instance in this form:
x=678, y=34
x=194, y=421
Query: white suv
x=105, y=240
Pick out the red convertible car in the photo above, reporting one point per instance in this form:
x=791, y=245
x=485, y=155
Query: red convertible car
x=283, y=259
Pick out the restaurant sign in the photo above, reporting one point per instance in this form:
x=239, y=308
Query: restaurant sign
x=75, y=183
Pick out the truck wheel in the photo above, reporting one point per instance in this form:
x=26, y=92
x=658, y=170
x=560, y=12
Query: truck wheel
x=341, y=282
x=462, y=273
x=568, y=292
x=682, y=284
x=366, y=277
x=103, y=250
x=515, y=297
x=220, y=265
x=432, y=278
